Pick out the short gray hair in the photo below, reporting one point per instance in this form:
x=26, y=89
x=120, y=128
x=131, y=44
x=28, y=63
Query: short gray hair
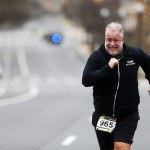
x=115, y=26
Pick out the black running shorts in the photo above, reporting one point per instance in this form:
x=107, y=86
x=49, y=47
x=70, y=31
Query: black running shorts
x=124, y=131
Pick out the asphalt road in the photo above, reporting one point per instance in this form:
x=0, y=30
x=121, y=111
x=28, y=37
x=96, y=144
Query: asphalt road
x=43, y=105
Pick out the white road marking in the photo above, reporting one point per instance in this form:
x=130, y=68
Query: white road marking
x=22, y=62
x=69, y=140
x=32, y=93
x=6, y=72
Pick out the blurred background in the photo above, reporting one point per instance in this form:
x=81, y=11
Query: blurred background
x=44, y=45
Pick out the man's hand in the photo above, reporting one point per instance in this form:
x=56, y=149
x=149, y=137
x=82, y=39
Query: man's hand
x=113, y=62
x=148, y=90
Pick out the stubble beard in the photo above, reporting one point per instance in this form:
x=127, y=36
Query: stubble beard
x=116, y=52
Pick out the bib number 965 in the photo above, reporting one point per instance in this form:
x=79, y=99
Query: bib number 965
x=106, y=124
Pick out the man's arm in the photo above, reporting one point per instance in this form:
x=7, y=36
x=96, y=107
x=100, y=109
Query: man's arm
x=145, y=59
x=93, y=74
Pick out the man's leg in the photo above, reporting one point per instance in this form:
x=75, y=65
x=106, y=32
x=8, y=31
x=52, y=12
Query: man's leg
x=105, y=140
x=121, y=146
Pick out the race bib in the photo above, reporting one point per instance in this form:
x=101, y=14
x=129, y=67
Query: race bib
x=106, y=124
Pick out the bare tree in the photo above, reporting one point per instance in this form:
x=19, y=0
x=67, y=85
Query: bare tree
x=93, y=16
x=15, y=12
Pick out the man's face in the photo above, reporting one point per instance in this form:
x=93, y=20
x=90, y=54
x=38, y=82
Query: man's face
x=113, y=42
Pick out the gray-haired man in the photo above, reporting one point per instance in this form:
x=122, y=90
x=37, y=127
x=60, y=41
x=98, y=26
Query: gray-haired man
x=112, y=71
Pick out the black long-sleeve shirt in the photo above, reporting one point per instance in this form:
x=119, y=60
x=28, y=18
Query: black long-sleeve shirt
x=104, y=80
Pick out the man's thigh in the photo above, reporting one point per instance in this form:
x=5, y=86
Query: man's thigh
x=125, y=129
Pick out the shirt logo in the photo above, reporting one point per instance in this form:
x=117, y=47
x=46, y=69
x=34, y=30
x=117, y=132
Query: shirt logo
x=130, y=63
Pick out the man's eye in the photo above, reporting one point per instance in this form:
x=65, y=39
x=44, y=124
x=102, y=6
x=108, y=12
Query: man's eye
x=116, y=40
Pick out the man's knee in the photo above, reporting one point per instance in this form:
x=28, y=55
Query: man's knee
x=121, y=146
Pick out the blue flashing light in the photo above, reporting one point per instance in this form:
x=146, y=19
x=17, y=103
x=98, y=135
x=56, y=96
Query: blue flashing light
x=56, y=38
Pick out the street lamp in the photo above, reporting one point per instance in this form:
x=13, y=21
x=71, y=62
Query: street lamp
x=138, y=7
x=104, y=12
x=122, y=12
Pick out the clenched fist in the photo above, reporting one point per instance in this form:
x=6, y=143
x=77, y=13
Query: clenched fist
x=113, y=62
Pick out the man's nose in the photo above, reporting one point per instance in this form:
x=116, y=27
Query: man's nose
x=112, y=42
